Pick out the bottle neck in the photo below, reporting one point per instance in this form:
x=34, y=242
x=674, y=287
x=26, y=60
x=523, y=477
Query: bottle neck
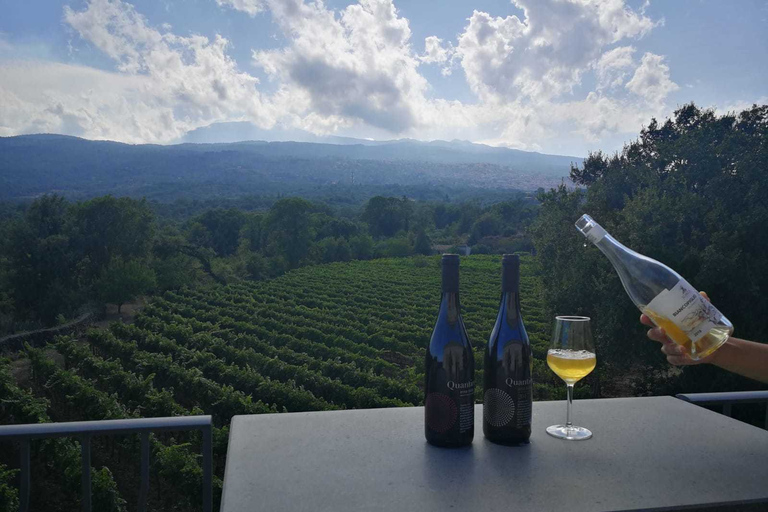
x=614, y=250
x=510, y=302
x=450, y=306
x=510, y=288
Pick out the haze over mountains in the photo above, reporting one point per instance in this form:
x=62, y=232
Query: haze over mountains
x=31, y=165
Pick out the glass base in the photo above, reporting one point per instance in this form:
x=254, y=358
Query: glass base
x=569, y=433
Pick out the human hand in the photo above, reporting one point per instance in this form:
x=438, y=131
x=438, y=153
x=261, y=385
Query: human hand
x=676, y=354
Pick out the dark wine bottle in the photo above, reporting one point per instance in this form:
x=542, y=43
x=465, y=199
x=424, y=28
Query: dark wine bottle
x=508, y=387
x=449, y=391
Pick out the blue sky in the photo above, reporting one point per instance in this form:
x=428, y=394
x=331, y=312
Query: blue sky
x=559, y=76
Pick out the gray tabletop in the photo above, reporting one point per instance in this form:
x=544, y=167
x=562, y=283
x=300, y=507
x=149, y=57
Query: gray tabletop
x=657, y=452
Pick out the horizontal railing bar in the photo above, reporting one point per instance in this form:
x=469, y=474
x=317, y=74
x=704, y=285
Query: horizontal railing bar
x=736, y=397
x=105, y=427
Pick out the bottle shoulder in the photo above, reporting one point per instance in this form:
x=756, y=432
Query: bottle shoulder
x=446, y=333
x=509, y=328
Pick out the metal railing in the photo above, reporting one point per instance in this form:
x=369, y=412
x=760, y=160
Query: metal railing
x=84, y=430
x=726, y=400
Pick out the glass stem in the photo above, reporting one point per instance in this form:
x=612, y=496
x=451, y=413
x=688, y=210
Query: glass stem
x=568, y=423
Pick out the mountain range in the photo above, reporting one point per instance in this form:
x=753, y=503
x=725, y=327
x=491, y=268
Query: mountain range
x=31, y=165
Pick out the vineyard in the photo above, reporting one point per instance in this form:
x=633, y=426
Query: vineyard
x=337, y=336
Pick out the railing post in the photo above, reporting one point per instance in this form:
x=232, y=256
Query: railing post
x=25, y=476
x=144, y=489
x=85, y=430
x=766, y=415
x=207, y=469
x=85, y=444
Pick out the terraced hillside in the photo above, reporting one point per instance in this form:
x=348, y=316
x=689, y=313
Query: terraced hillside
x=343, y=335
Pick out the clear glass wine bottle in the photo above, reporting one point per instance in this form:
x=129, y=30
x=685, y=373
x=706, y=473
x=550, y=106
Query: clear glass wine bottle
x=662, y=294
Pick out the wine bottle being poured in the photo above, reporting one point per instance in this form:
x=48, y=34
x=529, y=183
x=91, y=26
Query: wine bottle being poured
x=662, y=294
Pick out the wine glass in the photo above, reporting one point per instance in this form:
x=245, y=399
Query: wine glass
x=572, y=357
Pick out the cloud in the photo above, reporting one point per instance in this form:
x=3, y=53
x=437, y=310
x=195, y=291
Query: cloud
x=612, y=67
x=651, y=80
x=352, y=71
x=357, y=64
x=164, y=84
x=739, y=105
x=252, y=7
x=436, y=53
x=545, y=54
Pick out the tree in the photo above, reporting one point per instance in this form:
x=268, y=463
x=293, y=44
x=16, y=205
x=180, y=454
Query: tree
x=689, y=192
x=107, y=227
x=327, y=249
x=222, y=228
x=488, y=224
x=289, y=234
x=43, y=267
x=343, y=250
x=361, y=247
x=396, y=247
x=386, y=216
x=123, y=281
x=423, y=244
x=256, y=266
x=251, y=233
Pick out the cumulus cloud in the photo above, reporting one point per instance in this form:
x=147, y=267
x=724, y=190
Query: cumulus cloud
x=164, y=85
x=613, y=66
x=651, y=80
x=545, y=54
x=354, y=71
x=357, y=64
x=436, y=53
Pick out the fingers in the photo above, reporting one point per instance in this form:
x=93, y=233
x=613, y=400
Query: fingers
x=704, y=294
x=676, y=354
x=646, y=320
x=659, y=334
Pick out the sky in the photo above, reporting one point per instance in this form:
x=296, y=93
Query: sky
x=556, y=76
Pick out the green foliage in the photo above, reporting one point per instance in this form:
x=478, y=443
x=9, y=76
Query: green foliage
x=219, y=229
x=487, y=224
x=689, y=192
x=398, y=247
x=361, y=247
x=422, y=245
x=251, y=234
x=52, y=254
x=386, y=216
x=107, y=227
x=123, y=281
x=318, y=338
x=59, y=459
x=175, y=271
x=56, y=250
x=9, y=495
x=289, y=230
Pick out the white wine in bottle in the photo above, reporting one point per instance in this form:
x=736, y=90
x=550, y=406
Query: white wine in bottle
x=662, y=294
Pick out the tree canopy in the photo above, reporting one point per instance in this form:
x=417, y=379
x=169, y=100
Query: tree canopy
x=690, y=192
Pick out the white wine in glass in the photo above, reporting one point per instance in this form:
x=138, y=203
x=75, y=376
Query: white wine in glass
x=572, y=357
x=571, y=365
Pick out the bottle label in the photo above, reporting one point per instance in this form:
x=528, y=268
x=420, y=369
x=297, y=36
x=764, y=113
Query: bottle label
x=686, y=309
x=451, y=409
x=523, y=390
x=508, y=393
x=466, y=400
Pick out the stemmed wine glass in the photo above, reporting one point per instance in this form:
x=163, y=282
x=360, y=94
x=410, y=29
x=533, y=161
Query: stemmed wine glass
x=572, y=357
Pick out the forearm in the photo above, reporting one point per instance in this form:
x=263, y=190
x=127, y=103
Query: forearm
x=744, y=357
